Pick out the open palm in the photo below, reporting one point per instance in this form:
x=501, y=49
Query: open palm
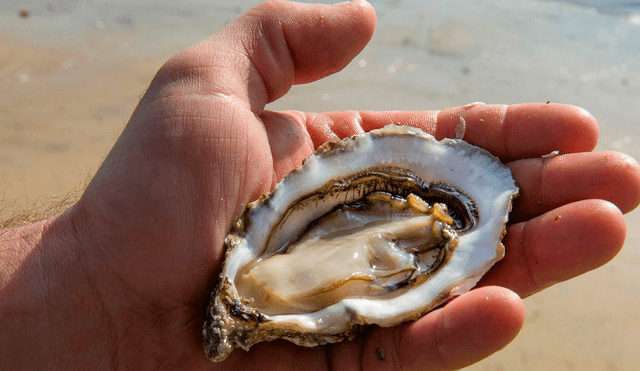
x=200, y=146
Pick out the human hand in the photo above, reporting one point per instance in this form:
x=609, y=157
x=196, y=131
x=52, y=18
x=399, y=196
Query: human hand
x=147, y=233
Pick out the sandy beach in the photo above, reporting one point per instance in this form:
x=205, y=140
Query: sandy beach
x=65, y=99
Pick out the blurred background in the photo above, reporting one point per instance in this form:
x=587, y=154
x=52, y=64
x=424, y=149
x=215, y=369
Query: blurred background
x=72, y=71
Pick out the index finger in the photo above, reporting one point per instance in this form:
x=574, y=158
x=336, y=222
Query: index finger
x=509, y=132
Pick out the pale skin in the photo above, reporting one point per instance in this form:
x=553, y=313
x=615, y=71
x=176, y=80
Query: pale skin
x=121, y=280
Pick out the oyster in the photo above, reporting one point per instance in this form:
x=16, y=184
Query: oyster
x=376, y=229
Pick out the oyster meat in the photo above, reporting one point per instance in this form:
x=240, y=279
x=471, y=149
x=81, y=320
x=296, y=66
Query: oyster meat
x=376, y=229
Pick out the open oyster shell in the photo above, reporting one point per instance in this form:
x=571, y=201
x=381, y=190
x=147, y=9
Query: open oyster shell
x=376, y=229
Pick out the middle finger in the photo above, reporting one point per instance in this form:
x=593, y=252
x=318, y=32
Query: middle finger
x=547, y=183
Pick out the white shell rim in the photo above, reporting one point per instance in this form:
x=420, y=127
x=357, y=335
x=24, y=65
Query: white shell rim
x=470, y=169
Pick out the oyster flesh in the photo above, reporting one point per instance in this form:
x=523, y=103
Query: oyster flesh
x=376, y=229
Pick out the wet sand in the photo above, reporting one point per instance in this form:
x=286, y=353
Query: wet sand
x=60, y=121
x=68, y=103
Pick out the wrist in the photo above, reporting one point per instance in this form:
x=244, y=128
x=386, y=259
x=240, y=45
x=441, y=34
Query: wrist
x=50, y=315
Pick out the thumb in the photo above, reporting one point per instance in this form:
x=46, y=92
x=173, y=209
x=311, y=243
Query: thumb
x=263, y=53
